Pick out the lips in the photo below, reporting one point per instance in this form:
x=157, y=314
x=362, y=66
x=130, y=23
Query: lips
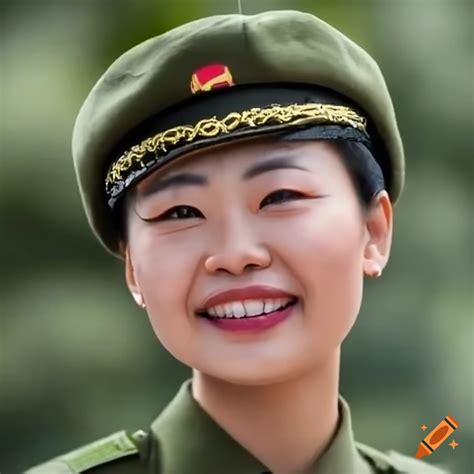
x=240, y=294
x=254, y=324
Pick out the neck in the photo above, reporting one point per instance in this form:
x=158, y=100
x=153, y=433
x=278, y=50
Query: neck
x=286, y=425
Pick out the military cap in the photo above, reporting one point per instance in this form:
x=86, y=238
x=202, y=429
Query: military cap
x=223, y=78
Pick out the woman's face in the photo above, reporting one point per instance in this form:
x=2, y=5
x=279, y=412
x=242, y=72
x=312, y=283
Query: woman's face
x=226, y=234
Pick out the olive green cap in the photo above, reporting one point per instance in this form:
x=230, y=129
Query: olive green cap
x=158, y=76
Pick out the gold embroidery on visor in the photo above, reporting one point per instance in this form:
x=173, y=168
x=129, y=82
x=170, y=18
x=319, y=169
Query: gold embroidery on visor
x=295, y=114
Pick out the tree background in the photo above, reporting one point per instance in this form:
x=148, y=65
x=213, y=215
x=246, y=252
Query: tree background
x=80, y=361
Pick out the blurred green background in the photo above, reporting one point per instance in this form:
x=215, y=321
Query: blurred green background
x=80, y=361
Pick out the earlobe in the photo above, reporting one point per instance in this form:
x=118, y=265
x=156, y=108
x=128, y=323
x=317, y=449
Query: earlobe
x=379, y=230
x=131, y=280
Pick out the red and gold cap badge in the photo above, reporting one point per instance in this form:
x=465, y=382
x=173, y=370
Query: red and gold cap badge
x=211, y=76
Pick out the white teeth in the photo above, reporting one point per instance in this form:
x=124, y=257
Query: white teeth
x=253, y=307
x=240, y=309
x=270, y=306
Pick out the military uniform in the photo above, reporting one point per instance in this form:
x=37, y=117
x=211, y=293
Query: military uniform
x=184, y=439
x=214, y=80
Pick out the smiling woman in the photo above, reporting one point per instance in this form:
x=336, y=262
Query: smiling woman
x=237, y=233
x=249, y=198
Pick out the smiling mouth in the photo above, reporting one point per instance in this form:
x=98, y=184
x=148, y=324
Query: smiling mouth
x=205, y=314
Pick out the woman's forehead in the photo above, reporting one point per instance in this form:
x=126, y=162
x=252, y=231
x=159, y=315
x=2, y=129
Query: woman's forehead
x=239, y=156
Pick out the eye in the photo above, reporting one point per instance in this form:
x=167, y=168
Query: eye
x=182, y=212
x=282, y=192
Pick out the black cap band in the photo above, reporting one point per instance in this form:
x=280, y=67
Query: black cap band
x=228, y=114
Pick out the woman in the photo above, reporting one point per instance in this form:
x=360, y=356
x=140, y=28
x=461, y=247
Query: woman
x=250, y=166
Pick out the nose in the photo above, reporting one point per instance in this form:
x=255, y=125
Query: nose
x=236, y=248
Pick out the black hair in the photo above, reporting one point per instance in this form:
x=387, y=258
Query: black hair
x=366, y=174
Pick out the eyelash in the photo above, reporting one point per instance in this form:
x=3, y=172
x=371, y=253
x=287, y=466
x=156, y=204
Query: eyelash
x=165, y=215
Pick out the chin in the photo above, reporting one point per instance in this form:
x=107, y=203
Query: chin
x=252, y=373
x=251, y=380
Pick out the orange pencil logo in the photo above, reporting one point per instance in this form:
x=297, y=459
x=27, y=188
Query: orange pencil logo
x=437, y=437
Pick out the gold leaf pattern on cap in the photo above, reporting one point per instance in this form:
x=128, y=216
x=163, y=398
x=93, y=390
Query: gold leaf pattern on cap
x=292, y=115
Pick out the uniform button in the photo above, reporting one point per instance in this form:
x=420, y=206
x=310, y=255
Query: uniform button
x=139, y=435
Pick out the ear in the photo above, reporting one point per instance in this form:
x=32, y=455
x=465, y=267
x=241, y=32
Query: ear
x=379, y=227
x=130, y=277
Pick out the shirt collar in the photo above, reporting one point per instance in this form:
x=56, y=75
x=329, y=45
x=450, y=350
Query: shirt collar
x=190, y=441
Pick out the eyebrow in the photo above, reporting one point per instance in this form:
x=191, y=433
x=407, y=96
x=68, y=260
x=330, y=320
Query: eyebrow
x=191, y=179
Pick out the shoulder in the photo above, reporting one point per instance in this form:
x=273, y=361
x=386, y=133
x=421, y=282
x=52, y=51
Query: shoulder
x=395, y=463
x=115, y=451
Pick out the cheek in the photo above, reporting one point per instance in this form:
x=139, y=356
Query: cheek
x=163, y=262
x=328, y=257
x=164, y=277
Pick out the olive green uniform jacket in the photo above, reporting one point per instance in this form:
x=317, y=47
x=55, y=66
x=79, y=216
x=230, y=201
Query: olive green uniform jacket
x=184, y=439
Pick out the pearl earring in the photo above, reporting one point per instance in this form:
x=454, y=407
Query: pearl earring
x=377, y=273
